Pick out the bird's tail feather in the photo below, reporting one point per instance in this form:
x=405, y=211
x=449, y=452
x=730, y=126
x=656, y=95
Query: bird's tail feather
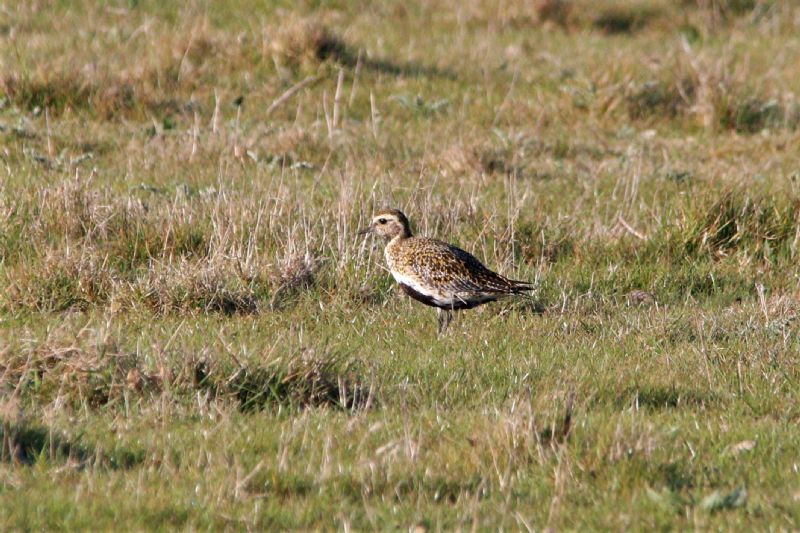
x=522, y=286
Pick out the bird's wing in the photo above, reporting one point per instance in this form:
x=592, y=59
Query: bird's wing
x=446, y=266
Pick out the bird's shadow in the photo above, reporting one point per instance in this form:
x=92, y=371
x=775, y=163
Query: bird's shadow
x=24, y=443
x=349, y=56
x=529, y=305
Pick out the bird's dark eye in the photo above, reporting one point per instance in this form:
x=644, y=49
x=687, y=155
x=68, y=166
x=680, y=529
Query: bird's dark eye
x=381, y=221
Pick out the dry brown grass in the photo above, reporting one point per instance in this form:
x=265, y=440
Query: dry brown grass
x=188, y=253
x=121, y=79
x=108, y=96
x=88, y=369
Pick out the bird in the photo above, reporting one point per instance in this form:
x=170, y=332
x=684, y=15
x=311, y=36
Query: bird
x=436, y=273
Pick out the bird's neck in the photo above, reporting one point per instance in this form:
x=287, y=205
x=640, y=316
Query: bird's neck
x=394, y=241
x=399, y=237
x=392, y=249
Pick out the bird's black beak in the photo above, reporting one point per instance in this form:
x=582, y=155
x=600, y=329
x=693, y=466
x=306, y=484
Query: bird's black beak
x=366, y=230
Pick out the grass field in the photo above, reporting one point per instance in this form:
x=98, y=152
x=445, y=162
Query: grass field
x=192, y=335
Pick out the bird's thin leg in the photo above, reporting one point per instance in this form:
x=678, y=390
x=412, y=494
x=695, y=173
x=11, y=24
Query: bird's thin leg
x=444, y=317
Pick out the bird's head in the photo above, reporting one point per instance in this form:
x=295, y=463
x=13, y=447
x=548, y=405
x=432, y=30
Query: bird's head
x=388, y=223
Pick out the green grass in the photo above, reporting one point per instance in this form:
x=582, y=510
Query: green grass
x=192, y=335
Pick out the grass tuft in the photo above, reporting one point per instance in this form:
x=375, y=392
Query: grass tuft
x=557, y=12
x=189, y=286
x=699, y=89
x=659, y=99
x=479, y=158
x=763, y=228
x=624, y=19
x=304, y=43
x=752, y=115
x=104, y=98
x=311, y=379
x=75, y=279
x=296, y=274
x=57, y=93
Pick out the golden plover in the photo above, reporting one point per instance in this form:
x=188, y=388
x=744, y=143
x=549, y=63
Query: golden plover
x=436, y=273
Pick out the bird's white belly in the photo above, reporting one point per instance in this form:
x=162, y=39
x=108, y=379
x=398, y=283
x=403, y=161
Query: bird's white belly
x=438, y=297
x=442, y=297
